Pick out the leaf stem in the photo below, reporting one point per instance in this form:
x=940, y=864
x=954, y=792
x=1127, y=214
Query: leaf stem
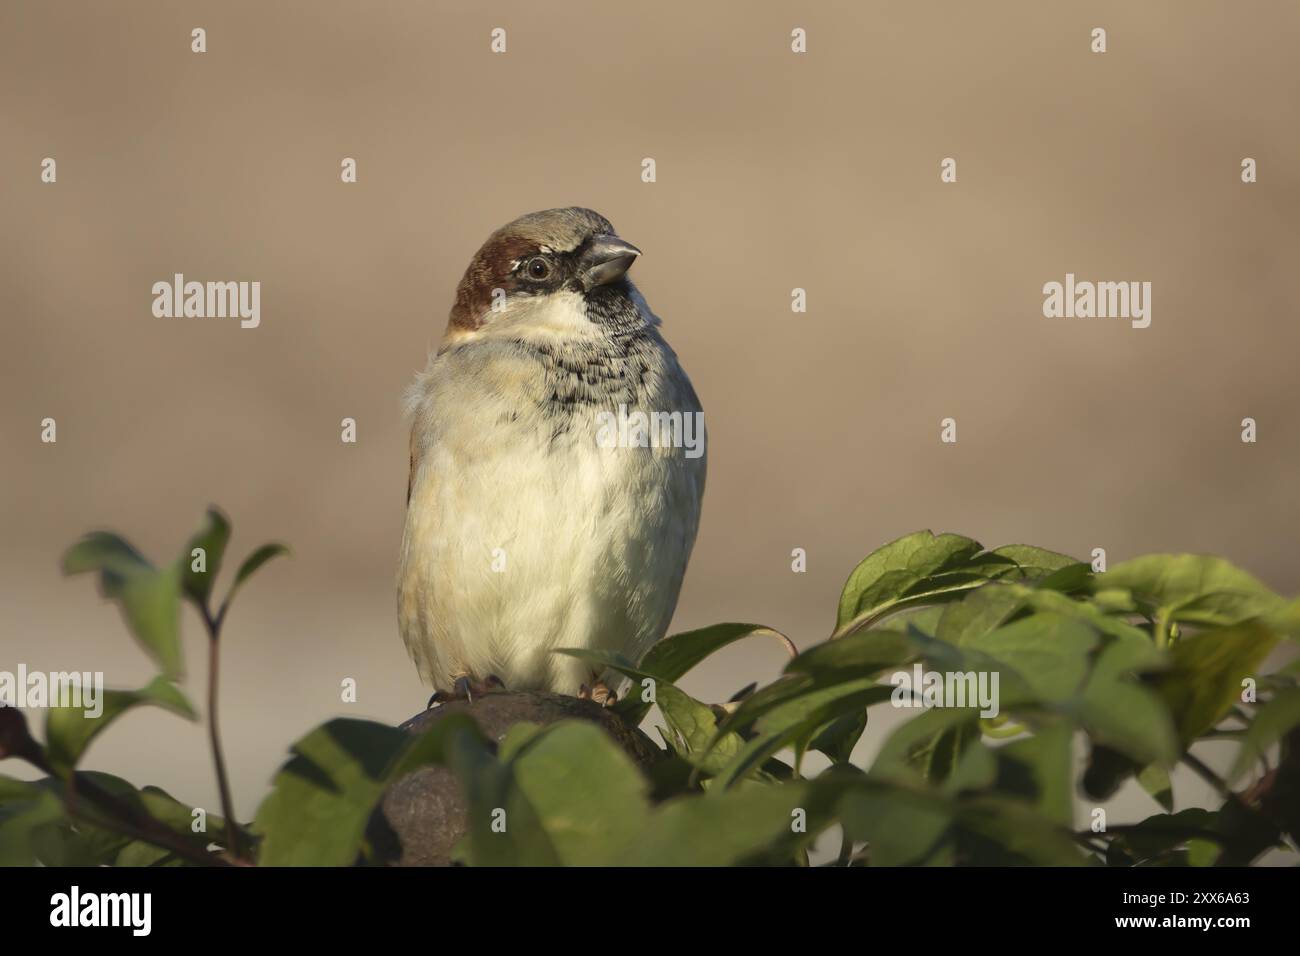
x=122, y=817
x=1208, y=775
x=846, y=848
x=1001, y=731
x=214, y=731
x=1163, y=635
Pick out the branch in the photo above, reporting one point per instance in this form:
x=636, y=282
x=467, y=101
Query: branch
x=124, y=818
x=214, y=732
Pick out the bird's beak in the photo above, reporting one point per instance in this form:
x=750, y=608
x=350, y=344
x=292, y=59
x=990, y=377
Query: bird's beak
x=606, y=260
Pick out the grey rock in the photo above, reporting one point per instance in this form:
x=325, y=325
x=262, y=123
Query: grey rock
x=422, y=815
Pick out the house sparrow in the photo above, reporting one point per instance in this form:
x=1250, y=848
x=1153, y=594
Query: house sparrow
x=526, y=529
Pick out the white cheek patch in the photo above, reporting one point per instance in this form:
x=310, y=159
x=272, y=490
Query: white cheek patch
x=560, y=313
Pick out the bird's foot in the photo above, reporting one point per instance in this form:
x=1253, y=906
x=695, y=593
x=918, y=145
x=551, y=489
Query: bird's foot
x=466, y=688
x=598, y=692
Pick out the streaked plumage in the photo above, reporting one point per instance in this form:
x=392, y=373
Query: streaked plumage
x=504, y=456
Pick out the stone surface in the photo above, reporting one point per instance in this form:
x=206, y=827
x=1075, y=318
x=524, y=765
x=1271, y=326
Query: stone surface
x=422, y=816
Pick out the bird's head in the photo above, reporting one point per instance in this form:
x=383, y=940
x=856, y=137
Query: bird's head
x=558, y=267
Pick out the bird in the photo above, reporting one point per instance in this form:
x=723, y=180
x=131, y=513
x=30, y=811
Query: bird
x=532, y=524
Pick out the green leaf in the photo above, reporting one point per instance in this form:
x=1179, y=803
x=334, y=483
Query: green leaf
x=888, y=574
x=1285, y=620
x=149, y=598
x=69, y=731
x=566, y=795
x=586, y=794
x=1048, y=650
x=1195, y=589
x=162, y=806
x=104, y=847
x=67, y=844
x=1035, y=563
x=250, y=566
x=696, y=725
x=137, y=853
x=971, y=663
x=921, y=827
x=151, y=605
x=1201, y=852
x=978, y=613
x=728, y=828
x=975, y=766
x=860, y=654
x=942, y=757
x=693, y=725
x=165, y=808
x=103, y=551
x=901, y=829
x=838, y=738
x=921, y=617
x=1161, y=834
x=798, y=719
x=1041, y=598
x=1121, y=713
x=212, y=539
x=322, y=798
x=1049, y=759
x=672, y=657
x=1110, y=600
x=516, y=737
x=503, y=828
x=1093, y=616
x=55, y=839
x=996, y=831
x=1205, y=678
x=26, y=809
x=779, y=692
x=1274, y=720
x=1072, y=579
x=909, y=753
x=947, y=586
x=1155, y=781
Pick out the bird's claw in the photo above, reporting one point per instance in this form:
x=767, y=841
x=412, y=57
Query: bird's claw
x=466, y=688
x=599, y=693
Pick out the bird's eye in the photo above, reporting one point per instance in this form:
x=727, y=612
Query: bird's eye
x=538, y=268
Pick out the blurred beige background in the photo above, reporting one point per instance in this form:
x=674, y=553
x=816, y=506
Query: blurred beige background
x=774, y=171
